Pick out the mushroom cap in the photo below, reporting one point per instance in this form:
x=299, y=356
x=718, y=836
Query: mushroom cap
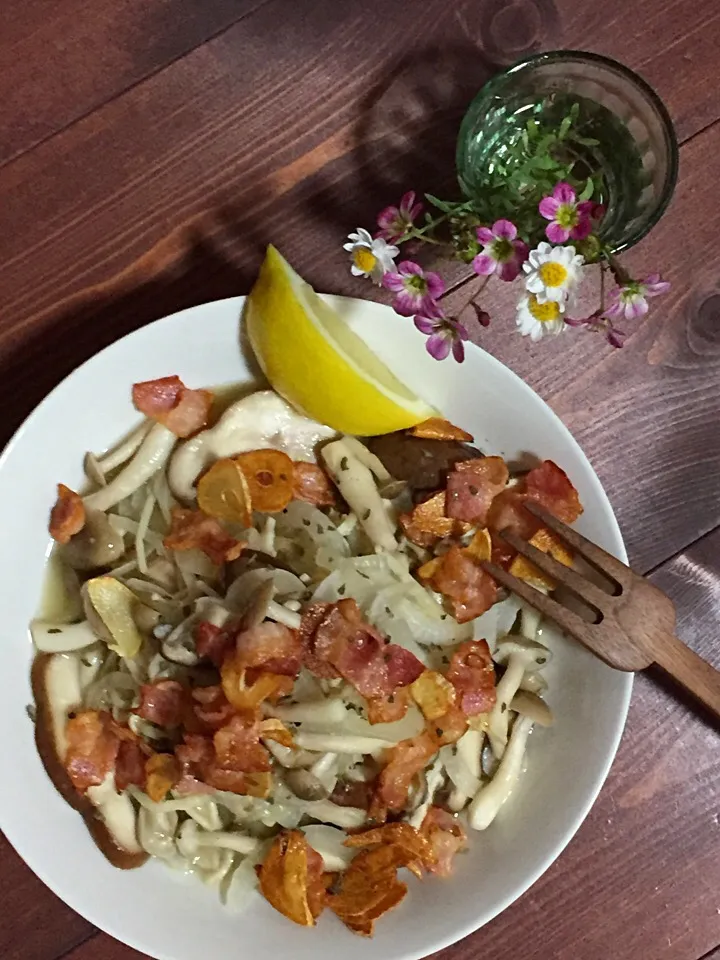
x=512, y=644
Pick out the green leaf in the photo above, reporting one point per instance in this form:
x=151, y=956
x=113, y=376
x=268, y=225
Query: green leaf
x=587, y=190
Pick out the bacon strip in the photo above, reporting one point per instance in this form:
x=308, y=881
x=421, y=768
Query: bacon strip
x=238, y=748
x=550, y=486
x=472, y=486
x=472, y=673
x=375, y=667
x=470, y=590
x=129, y=765
x=312, y=484
x=92, y=748
x=404, y=762
x=446, y=837
x=271, y=646
x=161, y=702
x=169, y=402
x=213, y=643
x=67, y=517
x=194, y=530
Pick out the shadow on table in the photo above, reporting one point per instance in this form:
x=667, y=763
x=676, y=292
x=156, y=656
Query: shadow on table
x=64, y=340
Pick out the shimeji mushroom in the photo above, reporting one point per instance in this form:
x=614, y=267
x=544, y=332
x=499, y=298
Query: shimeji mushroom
x=150, y=457
x=98, y=544
x=192, y=841
x=492, y=796
x=262, y=420
x=357, y=485
x=521, y=655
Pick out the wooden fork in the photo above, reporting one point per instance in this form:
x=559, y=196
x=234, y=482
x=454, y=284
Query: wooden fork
x=633, y=623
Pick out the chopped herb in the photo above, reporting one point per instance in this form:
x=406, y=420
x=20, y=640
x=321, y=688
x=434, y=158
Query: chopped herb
x=388, y=611
x=320, y=528
x=54, y=630
x=85, y=662
x=344, y=465
x=71, y=715
x=443, y=616
x=473, y=490
x=363, y=575
x=341, y=589
x=387, y=657
x=366, y=515
x=306, y=522
x=454, y=749
x=31, y=711
x=391, y=698
x=503, y=707
x=439, y=731
x=445, y=659
x=541, y=660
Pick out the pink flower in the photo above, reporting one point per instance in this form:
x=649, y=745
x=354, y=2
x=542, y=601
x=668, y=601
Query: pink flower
x=502, y=253
x=598, y=323
x=394, y=222
x=631, y=299
x=444, y=334
x=569, y=218
x=414, y=289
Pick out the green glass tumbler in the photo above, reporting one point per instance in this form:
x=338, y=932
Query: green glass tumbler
x=634, y=157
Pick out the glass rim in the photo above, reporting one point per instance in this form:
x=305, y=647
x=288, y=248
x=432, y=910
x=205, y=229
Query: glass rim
x=657, y=104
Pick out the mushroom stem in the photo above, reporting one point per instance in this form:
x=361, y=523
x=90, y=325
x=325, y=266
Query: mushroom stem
x=357, y=485
x=490, y=798
x=469, y=748
x=150, y=457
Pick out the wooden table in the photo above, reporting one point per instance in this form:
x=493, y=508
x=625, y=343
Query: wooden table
x=149, y=149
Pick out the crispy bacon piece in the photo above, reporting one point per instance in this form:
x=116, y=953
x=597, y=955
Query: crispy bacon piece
x=194, y=530
x=370, y=887
x=163, y=773
x=211, y=709
x=428, y=522
x=291, y=878
x=168, y=401
x=550, y=486
x=272, y=646
x=92, y=748
x=213, y=643
x=470, y=590
x=524, y=569
x=389, y=708
x=245, y=784
x=446, y=837
x=161, y=702
x=415, y=847
x=202, y=769
x=312, y=617
x=194, y=754
x=404, y=762
x=435, y=428
x=353, y=793
x=472, y=673
x=472, y=486
x=129, y=765
x=450, y=727
x=312, y=484
x=238, y=748
x=67, y=517
x=375, y=667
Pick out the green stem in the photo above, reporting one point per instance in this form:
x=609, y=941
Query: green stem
x=418, y=233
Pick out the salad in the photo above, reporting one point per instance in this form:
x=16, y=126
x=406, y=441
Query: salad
x=272, y=656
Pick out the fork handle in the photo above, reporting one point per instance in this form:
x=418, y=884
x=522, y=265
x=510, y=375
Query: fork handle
x=691, y=671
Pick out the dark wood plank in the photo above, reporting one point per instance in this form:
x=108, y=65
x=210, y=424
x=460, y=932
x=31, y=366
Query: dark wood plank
x=643, y=873
x=35, y=924
x=61, y=60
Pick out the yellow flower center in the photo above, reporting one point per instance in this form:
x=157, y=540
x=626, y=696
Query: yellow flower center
x=544, y=312
x=364, y=259
x=553, y=274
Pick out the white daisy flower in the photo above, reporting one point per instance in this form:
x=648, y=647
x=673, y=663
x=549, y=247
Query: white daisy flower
x=370, y=256
x=535, y=319
x=552, y=272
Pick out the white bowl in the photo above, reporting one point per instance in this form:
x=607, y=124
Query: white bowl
x=171, y=918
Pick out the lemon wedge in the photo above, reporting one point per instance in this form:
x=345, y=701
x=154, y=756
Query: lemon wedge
x=317, y=363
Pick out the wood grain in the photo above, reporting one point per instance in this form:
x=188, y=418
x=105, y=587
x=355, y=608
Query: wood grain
x=59, y=61
x=35, y=924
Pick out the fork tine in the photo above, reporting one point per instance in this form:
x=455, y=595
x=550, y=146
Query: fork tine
x=571, y=622
x=599, y=558
x=584, y=589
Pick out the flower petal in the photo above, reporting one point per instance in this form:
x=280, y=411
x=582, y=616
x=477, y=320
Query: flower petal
x=425, y=324
x=435, y=285
x=556, y=233
x=587, y=208
x=438, y=346
x=407, y=304
x=510, y=270
x=458, y=350
x=564, y=192
x=504, y=230
x=549, y=207
x=410, y=268
x=484, y=235
x=484, y=264
x=393, y=282
x=582, y=229
x=636, y=307
x=387, y=217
